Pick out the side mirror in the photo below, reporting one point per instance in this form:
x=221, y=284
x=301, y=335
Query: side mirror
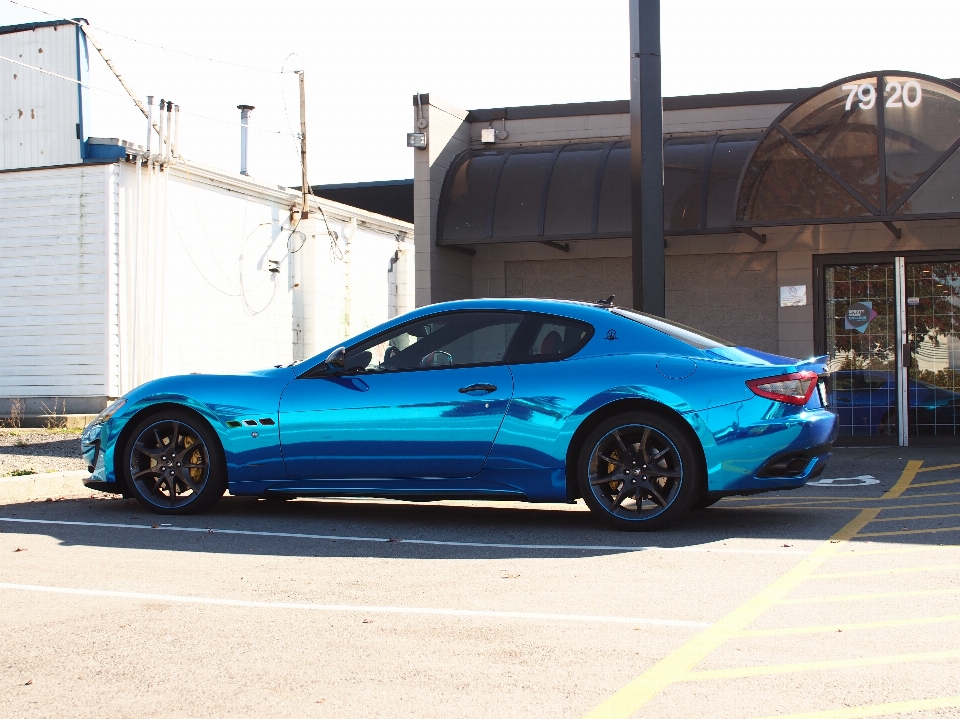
x=335, y=360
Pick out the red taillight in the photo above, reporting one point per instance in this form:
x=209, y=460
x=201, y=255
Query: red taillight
x=793, y=388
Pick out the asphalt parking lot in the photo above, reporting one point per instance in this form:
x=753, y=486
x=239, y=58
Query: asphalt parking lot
x=836, y=601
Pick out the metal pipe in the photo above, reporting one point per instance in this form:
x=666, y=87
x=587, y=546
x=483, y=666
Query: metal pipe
x=149, y=124
x=305, y=187
x=166, y=149
x=245, y=111
x=160, y=133
x=176, y=130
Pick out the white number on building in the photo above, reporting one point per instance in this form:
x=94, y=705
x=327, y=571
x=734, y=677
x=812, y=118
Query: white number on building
x=908, y=94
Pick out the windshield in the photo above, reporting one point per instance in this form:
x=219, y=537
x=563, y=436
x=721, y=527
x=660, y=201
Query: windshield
x=688, y=335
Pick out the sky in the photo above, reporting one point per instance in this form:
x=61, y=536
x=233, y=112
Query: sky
x=364, y=59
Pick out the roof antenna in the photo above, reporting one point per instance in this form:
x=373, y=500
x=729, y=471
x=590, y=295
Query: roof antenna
x=607, y=302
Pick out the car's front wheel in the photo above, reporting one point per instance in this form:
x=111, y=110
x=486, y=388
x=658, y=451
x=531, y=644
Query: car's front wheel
x=639, y=471
x=173, y=464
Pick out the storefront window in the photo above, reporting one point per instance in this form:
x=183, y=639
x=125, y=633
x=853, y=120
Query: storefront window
x=861, y=348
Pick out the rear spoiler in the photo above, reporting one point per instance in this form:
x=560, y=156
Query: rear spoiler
x=815, y=364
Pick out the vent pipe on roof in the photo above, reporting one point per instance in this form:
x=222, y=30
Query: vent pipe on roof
x=166, y=149
x=160, y=108
x=245, y=111
x=149, y=124
x=176, y=130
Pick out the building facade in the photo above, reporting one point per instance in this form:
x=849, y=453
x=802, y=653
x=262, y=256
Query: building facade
x=819, y=221
x=119, y=265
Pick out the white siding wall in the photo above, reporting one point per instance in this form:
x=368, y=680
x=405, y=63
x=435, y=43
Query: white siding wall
x=54, y=273
x=39, y=113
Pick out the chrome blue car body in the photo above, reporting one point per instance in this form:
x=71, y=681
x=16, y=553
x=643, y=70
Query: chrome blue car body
x=428, y=432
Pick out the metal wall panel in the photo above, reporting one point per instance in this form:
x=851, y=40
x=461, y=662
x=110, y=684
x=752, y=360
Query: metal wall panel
x=40, y=113
x=53, y=271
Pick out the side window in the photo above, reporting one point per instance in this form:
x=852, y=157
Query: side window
x=447, y=340
x=544, y=338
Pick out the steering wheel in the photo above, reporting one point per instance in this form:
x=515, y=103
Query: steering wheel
x=389, y=355
x=437, y=359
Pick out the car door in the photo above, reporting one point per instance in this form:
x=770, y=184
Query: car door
x=425, y=399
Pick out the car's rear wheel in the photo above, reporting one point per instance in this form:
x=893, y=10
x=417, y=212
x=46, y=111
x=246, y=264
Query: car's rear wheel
x=639, y=471
x=173, y=463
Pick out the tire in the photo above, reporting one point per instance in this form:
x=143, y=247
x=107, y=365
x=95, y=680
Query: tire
x=195, y=471
x=626, y=494
x=704, y=502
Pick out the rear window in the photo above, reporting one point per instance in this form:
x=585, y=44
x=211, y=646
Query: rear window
x=688, y=335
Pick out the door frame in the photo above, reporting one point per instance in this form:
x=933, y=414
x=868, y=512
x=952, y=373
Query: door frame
x=898, y=260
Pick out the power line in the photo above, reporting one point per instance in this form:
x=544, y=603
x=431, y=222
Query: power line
x=150, y=44
x=125, y=95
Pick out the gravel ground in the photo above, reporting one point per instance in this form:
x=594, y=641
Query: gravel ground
x=40, y=450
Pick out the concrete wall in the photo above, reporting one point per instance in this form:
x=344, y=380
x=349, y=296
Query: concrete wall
x=442, y=273
x=726, y=285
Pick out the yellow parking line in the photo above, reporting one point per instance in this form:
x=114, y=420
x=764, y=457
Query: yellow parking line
x=899, y=550
x=911, y=622
x=935, y=484
x=906, y=477
x=915, y=518
x=723, y=504
x=910, y=531
x=875, y=595
x=756, y=671
x=881, y=572
x=875, y=710
x=629, y=699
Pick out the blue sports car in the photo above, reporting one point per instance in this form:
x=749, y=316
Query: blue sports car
x=508, y=399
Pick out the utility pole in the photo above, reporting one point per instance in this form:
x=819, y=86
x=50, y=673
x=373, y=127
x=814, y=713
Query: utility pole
x=304, y=212
x=646, y=157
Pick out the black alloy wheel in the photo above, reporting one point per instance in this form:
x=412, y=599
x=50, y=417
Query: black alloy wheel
x=173, y=463
x=639, y=471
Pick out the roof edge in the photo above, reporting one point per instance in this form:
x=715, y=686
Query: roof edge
x=24, y=27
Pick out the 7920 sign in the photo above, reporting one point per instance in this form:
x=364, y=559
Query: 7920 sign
x=909, y=94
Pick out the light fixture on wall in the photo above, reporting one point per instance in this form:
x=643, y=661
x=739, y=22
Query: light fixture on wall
x=418, y=140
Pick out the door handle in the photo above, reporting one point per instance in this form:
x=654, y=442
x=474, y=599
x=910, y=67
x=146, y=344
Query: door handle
x=487, y=388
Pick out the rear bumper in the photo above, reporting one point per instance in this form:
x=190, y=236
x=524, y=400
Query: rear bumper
x=759, y=446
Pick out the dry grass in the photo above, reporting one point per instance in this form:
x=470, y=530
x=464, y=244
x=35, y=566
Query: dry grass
x=15, y=418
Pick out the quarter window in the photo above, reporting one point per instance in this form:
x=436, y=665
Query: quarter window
x=544, y=338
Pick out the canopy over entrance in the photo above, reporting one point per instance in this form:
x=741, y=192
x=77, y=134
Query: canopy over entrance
x=875, y=147
x=878, y=147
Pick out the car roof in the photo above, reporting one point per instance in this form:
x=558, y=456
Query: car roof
x=568, y=308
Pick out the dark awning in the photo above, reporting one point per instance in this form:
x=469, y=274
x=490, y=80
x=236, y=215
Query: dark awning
x=581, y=191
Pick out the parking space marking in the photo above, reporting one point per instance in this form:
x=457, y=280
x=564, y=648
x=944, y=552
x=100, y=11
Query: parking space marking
x=875, y=710
x=937, y=530
x=909, y=622
x=356, y=608
x=882, y=572
x=385, y=540
x=632, y=697
x=803, y=502
x=913, y=468
x=915, y=517
x=900, y=550
x=935, y=484
x=756, y=671
x=874, y=595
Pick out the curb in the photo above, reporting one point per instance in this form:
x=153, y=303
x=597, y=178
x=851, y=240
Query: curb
x=40, y=486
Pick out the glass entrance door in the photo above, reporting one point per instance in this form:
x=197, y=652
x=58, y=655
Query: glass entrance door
x=861, y=333
x=933, y=348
